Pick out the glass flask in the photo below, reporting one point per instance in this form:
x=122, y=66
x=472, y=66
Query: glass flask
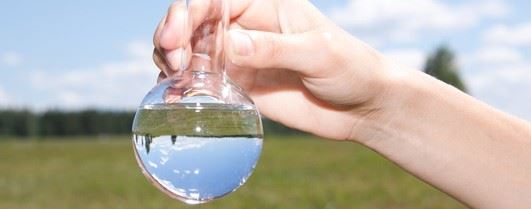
x=196, y=135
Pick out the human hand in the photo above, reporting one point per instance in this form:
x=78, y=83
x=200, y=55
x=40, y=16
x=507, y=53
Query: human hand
x=305, y=72
x=300, y=69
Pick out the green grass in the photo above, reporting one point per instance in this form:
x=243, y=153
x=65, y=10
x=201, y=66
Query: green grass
x=292, y=173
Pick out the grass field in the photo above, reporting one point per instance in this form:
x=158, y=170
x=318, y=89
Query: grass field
x=293, y=173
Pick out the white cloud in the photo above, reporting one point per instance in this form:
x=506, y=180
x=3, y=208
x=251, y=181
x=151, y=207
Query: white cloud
x=404, y=20
x=501, y=76
x=140, y=49
x=5, y=99
x=112, y=85
x=409, y=57
x=11, y=59
x=517, y=35
x=500, y=71
x=492, y=78
x=497, y=55
x=507, y=88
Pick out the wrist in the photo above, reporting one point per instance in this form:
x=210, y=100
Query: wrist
x=402, y=93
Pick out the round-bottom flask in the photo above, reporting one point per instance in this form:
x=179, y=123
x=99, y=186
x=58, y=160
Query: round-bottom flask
x=196, y=135
x=202, y=147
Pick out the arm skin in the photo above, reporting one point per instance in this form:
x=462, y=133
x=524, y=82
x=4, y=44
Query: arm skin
x=452, y=141
x=307, y=73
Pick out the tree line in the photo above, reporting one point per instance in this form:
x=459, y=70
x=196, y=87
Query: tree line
x=25, y=123
x=58, y=123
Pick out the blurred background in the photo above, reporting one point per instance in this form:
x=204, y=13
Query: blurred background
x=73, y=72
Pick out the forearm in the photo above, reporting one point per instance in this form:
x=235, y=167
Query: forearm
x=471, y=151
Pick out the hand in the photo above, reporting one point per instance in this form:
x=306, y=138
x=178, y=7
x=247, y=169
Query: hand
x=305, y=72
x=300, y=69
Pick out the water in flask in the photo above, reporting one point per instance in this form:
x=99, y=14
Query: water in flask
x=197, y=152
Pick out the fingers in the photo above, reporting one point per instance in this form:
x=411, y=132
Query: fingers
x=158, y=31
x=158, y=58
x=175, y=41
x=160, y=62
x=161, y=77
x=305, y=53
x=173, y=32
x=173, y=36
x=184, y=18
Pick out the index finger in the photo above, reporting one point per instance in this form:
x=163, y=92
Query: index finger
x=186, y=16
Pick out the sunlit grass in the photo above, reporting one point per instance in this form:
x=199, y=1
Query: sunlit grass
x=297, y=172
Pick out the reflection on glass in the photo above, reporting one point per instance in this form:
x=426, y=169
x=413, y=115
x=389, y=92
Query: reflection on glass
x=198, y=169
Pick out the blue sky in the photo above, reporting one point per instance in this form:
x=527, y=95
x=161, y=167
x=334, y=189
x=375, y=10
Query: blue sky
x=78, y=54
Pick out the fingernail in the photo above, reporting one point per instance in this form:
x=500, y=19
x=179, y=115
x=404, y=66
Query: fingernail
x=174, y=59
x=241, y=43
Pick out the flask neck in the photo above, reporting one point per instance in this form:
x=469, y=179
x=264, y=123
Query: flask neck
x=206, y=43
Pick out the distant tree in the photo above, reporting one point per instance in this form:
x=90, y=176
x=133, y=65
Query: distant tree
x=441, y=65
x=90, y=122
x=52, y=123
x=274, y=128
x=86, y=122
x=21, y=123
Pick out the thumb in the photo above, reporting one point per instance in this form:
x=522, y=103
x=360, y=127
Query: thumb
x=257, y=49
